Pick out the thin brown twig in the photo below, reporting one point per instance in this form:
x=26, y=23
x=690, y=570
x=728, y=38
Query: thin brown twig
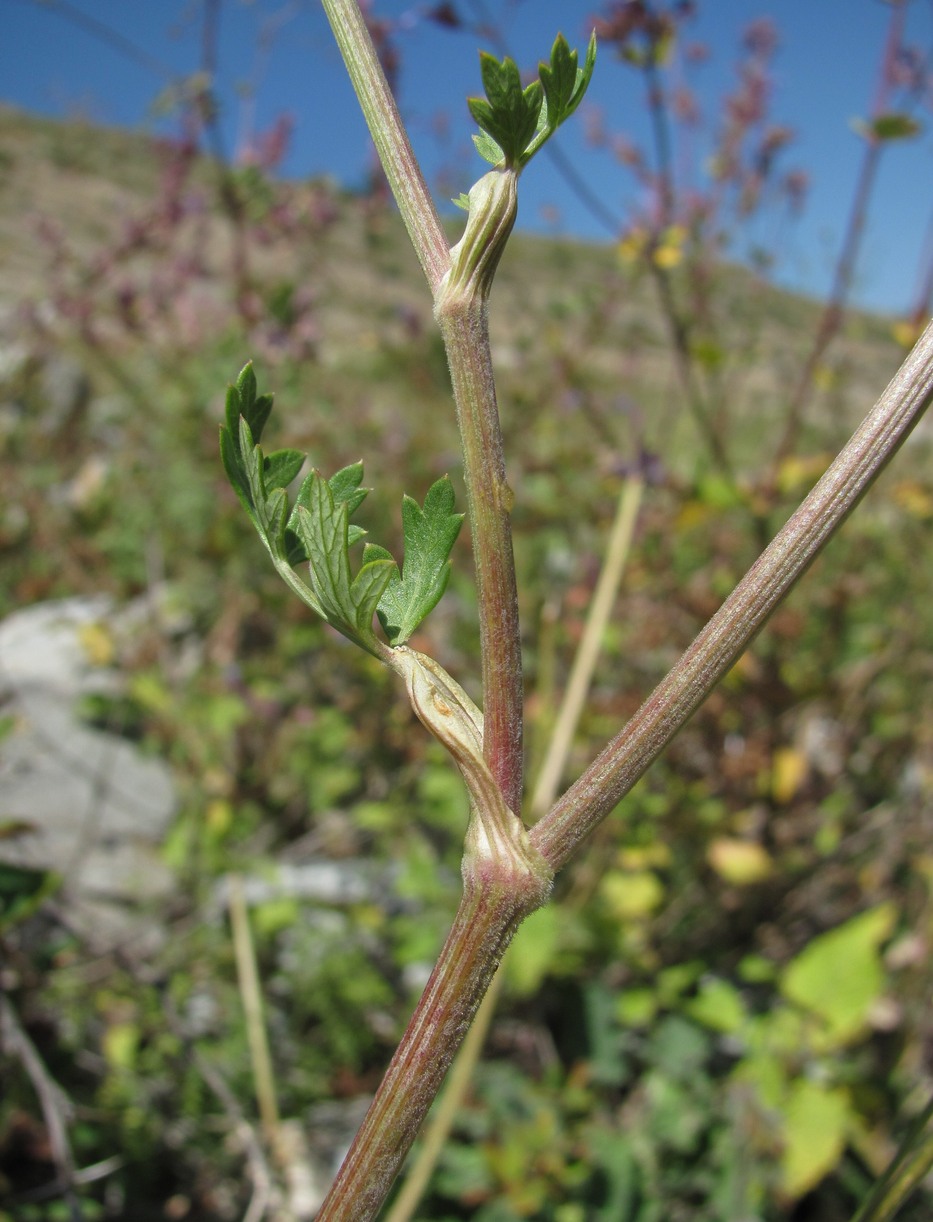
x=55, y=1104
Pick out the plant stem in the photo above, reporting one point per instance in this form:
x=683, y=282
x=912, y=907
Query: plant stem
x=460, y=306
x=57, y=1109
x=555, y=757
x=496, y=897
x=584, y=662
x=743, y=614
x=389, y=136
x=443, y=1116
x=251, y=995
x=907, y=1171
x=466, y=338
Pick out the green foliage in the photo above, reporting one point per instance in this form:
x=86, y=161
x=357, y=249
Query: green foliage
x=839, y=975
x=510, y=116
x=517, y=121
x=317, y=530
x=321, y=522
x=430, y=533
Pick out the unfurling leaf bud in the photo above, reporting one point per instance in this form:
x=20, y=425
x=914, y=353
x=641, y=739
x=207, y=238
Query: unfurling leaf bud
x=493, y=206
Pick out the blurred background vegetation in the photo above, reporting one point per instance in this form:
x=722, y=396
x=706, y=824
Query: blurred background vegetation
x=724, y=1015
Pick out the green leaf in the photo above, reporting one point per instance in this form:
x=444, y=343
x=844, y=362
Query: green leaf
x=564, y=85
x=510, y=116
x=322, y=524
x=429, y=533
x=22, y=890
x=246, y=413
x=345, y=486
x=839, y=975
x=719, y=1006
x=489, y=151
x=516, y=122
x=267, y=512
x=533, y=951
x=242, y=400
x=317, y=529
x=281, y=467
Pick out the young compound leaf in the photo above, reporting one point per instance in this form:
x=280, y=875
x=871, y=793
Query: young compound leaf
x=317, y=529
x=345, y=486
x=510, y=115
x=321, y=522
x=245, y=405
x=430, y=534
x=564, y=85
x=242, y=403
x=516, y=122
x=559, y=79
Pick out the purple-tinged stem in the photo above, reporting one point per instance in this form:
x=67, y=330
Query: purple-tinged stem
x=613, y=773
x=497, y=895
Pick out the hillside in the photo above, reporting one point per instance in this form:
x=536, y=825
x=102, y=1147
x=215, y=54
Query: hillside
x=91, y=184
x=724, y=1012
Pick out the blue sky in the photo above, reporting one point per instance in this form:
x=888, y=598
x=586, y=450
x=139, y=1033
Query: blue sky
x=824, y=75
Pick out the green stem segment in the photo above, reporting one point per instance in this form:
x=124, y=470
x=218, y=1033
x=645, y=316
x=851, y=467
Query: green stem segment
x=388, y=132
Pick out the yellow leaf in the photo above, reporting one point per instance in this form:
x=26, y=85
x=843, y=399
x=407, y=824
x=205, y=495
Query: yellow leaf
x=692, y=513
x=218, y=816
x=120, y=1042
x=632, y=896
x=632, y=246
x=815, y=1124
x=788, y=772
x=839, y=976
x=740, y=862
x=639, y=857
x=824, y=378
